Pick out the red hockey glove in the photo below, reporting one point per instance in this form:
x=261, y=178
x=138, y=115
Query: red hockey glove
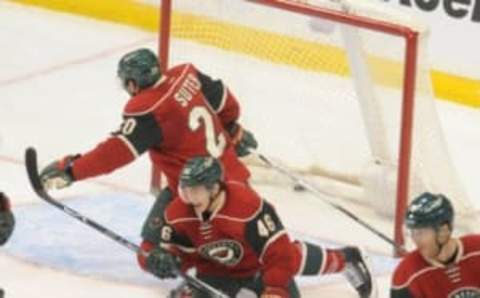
x=275, y=292
x=58, y=174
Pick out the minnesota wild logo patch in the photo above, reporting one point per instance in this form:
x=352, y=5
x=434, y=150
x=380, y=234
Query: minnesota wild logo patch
x=225, y=252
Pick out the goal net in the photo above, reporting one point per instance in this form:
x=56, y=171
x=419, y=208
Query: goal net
x=337, y=91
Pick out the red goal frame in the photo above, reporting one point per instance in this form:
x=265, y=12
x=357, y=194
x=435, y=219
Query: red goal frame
x=410, y=69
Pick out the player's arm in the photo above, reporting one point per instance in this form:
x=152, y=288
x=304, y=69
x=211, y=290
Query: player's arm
x=401, y=293
x=220, y=98
x=172, y=253
x=400, y=287
x=136, y=135
x=267, y=236
x=225, y=104
x=180, y=245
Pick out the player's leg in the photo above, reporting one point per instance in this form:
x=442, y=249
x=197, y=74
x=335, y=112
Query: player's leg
x=154, y=220
x=256, y=285
x=358, y=272
x=316, y=260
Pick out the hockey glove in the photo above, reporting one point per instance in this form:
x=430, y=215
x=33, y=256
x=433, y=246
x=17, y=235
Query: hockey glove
x=162, y=263
x=242, y=139
x=274, y=292
x=59, y=174
x=7, y=221
x=182, y=291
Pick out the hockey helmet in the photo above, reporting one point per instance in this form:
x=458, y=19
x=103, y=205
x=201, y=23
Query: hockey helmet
x=203, y=170
x=140, y=66
x=429, y=210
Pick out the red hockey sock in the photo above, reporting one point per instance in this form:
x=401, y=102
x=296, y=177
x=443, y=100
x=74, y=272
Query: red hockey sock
x=141, y=259
x=314, y=260
x=335, y=261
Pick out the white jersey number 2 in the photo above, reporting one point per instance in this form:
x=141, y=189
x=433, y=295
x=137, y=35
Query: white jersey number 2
x=215, y=144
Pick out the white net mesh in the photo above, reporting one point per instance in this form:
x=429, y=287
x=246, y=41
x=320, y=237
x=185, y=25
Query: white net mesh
x=323, y=98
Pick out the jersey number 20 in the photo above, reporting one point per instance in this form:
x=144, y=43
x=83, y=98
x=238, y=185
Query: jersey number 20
x=215, y=144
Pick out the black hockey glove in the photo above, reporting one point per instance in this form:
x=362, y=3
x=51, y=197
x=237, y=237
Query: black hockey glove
x=58, y=174
x=162, y=263
x=242, y=139
x=7, y=221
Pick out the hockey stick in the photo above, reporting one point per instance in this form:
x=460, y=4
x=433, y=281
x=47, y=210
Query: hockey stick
x=324, y=197
x=32, y=171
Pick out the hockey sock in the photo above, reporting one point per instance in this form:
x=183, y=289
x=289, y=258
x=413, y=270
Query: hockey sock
x=317, y=260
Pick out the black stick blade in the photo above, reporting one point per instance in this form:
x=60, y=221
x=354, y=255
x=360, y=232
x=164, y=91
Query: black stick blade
x=32, y=171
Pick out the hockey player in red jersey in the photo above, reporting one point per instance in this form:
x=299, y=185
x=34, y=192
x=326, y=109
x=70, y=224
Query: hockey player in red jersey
x=173, y=116
x=442, y=266
x=7, y=220
x=236, y=240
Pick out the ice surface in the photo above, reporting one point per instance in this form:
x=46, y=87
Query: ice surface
x=57, y=80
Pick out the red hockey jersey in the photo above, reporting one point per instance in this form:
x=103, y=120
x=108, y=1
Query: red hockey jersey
x=183, y=115
x=419, y=278
x=242, y=237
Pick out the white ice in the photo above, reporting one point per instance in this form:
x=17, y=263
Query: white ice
x=59, y=94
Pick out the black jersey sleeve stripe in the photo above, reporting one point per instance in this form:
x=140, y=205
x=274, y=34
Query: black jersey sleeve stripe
x=264, y=229
x=141, y=132
x=400, y=293
x=213, y=90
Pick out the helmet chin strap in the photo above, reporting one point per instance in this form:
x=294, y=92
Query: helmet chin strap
x=439, y=245
x=213, y=197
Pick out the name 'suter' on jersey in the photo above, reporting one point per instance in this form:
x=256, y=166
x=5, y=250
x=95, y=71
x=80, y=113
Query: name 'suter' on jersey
x=184, y=114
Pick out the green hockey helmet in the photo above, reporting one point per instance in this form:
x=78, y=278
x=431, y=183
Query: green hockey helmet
x=203, y=170
x=140, y=66
x=429, y=210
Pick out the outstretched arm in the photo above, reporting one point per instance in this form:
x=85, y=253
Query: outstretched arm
x=136, y=135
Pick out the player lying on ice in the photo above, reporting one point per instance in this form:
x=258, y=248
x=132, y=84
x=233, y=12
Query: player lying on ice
x=7, y=221
x=236, y=240
x=442, y=266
